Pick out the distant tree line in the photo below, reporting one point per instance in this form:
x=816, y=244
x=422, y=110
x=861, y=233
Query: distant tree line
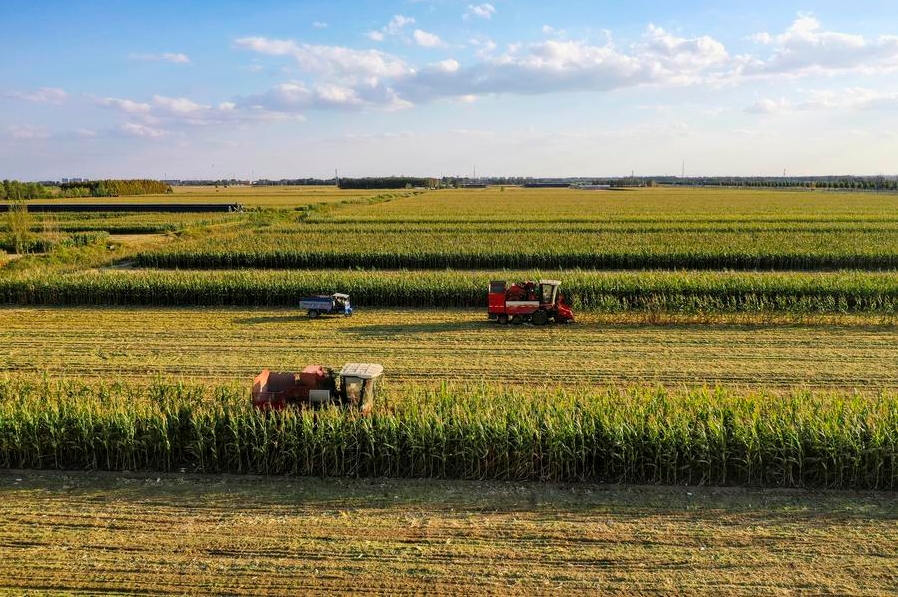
x=868, y=183
x=13, y=190
x=386, y=182
x=113, y=188
x=264, y=182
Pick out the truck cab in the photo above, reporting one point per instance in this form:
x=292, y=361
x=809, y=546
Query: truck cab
x=358, y=384
x=326, y=303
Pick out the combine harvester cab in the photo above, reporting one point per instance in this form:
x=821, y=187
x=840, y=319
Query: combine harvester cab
x=536, y=302
x=326, y=303
x=316, y=386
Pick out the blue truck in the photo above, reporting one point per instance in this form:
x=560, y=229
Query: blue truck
x=326, y=303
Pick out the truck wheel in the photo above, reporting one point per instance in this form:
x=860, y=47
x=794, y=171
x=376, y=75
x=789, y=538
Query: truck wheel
x=313, y=313
x=503, y=319
x=517, y=320
x=539, y=317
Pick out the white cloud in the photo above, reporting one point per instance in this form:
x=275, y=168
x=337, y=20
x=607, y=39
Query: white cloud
x=397, y=23
x=145, y=118
x=485, y=47
x=27, y=132
x=293, y=98
x=141, y=130
x=175, y=58
x=806, y=49
x=768, y=106
x=393, y=28
x=553, y=65
x=180, y=106
x=125, y=105
x=557, y=65
x=855, y=98
x=44, y=95
x=427, y=40
x=351, y=79
x=447, y=66
x=481, y=11
x=681, y=56
x=319, y=25
x=329, y=60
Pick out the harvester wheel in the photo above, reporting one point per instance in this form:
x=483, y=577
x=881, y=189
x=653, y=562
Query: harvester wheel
x=539, y=317
x=517, y=320
x=503, y=319
x=313, y=313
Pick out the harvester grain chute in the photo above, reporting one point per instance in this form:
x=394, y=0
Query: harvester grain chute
x=354, y=387
x=520, y=302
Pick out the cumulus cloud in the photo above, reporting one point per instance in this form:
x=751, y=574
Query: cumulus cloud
x=568, y=65
x=329, y=60
x=553, y=65
x=485, y=47
x=480, y=11
x=680, y=56
x=174, y=58
x=394, y=27
x=180, y=106
x=397, y=23
x=177, y=111
x=134, y=129
x=427, y=40
x=344, y=78
x=44, y=95
x=447, y=66
x=805, y=48
x=125, y=105
x=296, y=97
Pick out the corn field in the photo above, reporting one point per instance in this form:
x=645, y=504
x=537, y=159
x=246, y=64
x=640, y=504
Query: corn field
x=679, y=292
x=611, y=435
x=744, y=245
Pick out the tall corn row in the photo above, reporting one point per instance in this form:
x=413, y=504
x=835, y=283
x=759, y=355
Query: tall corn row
x=683, y=292
x=741, y=245
x=635, y=435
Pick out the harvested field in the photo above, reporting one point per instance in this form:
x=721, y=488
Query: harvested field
x=243, y=535
x=461, y=345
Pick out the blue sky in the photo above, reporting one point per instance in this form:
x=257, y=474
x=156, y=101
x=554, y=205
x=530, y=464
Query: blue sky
x=274, y=89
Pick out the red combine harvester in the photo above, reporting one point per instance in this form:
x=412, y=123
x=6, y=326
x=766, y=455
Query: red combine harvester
x=537, y=302
x=316, y=386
